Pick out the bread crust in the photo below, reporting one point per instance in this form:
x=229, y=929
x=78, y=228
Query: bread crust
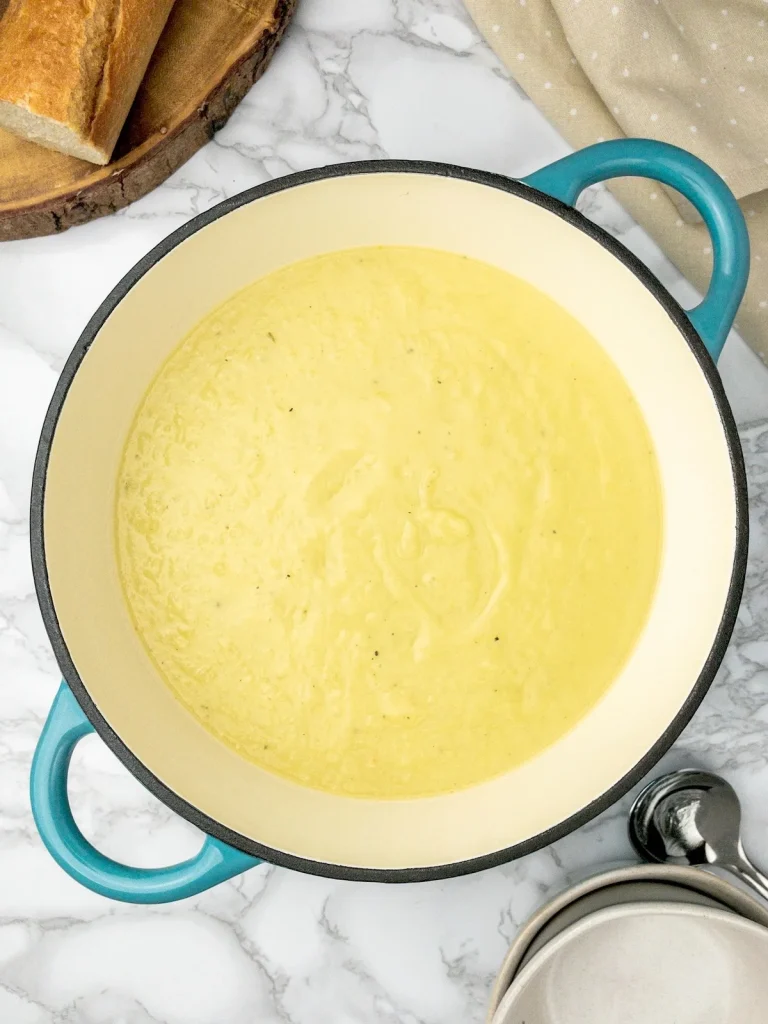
x=75, y=64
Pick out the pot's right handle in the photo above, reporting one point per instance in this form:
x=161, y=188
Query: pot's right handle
x=645, y=158
x=65, y=727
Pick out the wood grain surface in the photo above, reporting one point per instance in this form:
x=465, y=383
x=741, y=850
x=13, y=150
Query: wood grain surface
x=210, y=54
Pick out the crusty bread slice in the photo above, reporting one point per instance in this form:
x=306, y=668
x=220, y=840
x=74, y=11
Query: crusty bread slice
x=70, y=69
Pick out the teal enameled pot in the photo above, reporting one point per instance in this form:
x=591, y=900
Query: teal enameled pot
x=667, y=356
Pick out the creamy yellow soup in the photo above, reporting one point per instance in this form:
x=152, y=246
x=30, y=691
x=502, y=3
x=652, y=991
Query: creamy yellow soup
x=389, y=522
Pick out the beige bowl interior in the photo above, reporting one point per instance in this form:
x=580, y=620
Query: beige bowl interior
x=400, y=209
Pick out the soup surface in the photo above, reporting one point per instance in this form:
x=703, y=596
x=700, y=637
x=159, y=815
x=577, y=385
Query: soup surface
x=389, y=522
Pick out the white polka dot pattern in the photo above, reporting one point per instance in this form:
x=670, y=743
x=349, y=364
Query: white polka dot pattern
x=602, y=69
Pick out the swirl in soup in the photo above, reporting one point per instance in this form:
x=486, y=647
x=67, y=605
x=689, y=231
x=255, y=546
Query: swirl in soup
x=389, y=522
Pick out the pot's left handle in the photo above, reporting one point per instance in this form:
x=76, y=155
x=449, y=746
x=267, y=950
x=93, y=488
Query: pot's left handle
x=65, y=727
x=647, y=158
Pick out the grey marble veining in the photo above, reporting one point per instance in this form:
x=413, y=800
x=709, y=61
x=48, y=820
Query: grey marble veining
x=354, y=79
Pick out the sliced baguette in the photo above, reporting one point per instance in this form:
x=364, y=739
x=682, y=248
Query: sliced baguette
x=70, y=69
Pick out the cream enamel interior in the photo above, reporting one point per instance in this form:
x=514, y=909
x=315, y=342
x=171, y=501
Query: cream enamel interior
x=395, y=208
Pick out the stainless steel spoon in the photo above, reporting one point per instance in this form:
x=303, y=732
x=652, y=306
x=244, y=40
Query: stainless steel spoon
x=692, y=817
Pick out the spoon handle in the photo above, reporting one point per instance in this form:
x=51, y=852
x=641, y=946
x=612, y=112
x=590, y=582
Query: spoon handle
x=744, y=869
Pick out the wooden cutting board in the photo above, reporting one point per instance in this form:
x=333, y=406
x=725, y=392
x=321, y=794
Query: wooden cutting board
x=210, y=54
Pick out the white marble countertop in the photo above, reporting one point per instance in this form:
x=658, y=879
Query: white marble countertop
x=353, y=79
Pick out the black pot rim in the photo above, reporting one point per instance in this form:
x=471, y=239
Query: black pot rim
x=352, y=872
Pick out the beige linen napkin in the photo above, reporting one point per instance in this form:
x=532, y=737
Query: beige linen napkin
x=690, y=72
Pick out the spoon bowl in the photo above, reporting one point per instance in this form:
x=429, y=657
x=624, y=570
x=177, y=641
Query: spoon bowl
x=692, y=817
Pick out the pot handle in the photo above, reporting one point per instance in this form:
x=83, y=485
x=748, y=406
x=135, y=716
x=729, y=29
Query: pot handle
x=66, y=725
x=645, y=158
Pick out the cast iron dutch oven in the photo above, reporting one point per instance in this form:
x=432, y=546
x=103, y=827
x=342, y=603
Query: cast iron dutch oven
x=531, y=229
